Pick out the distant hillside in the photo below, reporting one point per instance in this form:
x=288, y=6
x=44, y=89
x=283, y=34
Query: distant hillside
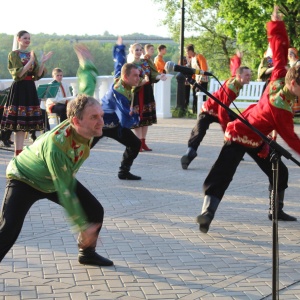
x=64, y=56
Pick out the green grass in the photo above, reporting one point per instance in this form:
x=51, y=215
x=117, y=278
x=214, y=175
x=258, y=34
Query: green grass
x=183, y=113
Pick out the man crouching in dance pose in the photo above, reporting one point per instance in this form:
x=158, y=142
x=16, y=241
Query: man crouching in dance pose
x=213, y=112
x=272, y=112
x=46, y=169
x=116, y=103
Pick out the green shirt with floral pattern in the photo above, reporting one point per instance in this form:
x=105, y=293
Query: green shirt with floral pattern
x=50, y=165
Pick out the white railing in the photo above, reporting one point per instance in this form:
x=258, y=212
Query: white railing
x=162, y=91
x=251, y=92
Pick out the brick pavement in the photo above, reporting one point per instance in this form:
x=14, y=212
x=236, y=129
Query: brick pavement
x=150, y=232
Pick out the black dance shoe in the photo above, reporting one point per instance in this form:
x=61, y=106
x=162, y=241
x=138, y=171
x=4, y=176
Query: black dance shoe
x=128, y=176
x=282, y=216
x=91, y=257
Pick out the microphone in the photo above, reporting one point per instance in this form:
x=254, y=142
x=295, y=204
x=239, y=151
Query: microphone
x=171, y=67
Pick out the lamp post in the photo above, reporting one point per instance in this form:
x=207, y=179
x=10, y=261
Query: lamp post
x=180, y=106
x=182, y=32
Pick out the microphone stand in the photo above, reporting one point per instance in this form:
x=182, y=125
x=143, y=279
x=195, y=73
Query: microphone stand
x=277, y=152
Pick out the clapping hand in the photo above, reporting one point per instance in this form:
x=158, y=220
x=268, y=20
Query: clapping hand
x=32, y=57
x=47, y=56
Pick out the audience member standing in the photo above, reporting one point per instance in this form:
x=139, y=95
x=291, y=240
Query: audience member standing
x=149, y=52
x=159, y=59
x=22, y=111
x=187, y=86
x=144, y=101
x=293, y=57
x=198, y=62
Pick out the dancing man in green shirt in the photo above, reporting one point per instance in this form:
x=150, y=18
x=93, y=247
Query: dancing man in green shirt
x=46, y=169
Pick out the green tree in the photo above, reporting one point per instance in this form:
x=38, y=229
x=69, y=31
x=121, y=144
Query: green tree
x=6, y=42
x=245, y=20
x=218, y=27
x=64, y=56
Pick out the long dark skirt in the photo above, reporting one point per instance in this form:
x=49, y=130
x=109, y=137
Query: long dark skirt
x=144, y=103
x=22, y=110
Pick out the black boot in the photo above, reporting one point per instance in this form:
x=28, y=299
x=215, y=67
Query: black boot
x=210, y=205
x=32, y=135
x=125, y=174
x=282, y=216
x=6, y=143
x=5, y=136
x=89, y=256
x=187, y=158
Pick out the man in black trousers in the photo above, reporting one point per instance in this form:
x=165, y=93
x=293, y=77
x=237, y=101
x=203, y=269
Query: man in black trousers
x=118, y=114
x=116, y=104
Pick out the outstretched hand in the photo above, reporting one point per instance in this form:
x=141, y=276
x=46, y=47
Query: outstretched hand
x=276, y=16
x=163, y=77
x=82, y=52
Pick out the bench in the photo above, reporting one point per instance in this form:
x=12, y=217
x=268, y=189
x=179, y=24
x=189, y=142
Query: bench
x=249, y=94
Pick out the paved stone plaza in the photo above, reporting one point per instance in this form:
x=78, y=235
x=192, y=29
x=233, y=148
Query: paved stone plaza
x=150, y=231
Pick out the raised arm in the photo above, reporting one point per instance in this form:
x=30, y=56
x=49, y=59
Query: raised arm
x=279, y=43
x=119, y=56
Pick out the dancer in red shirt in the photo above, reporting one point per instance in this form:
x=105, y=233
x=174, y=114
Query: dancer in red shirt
x=213, y=112
x=274, y=106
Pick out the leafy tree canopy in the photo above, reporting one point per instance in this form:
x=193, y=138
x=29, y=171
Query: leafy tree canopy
x=218, y=27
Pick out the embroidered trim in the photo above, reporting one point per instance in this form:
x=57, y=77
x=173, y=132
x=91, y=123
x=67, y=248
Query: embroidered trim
x=242, y=140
